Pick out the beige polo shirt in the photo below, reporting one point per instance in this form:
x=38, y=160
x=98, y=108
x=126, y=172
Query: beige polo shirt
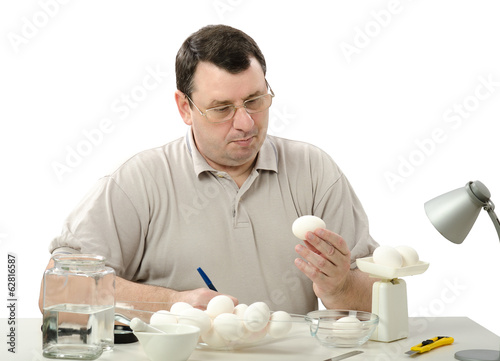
x=165, y=212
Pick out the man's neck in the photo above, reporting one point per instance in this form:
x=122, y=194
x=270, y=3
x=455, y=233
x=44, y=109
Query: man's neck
x=238, y=173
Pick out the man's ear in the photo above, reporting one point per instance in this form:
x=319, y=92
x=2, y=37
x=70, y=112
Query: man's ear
x=183, y=106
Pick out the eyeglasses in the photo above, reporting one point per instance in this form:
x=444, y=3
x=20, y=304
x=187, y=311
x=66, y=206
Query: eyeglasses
x=225, y=113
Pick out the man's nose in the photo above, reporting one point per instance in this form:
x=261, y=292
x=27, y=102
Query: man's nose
x=242, y=120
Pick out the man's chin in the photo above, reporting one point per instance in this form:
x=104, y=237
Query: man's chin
x=240, y=158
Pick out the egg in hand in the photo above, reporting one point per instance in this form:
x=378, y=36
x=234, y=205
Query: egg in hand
x=305, y=224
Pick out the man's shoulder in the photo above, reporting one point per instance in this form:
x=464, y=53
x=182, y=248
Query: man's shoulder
x=299, y=157
x=287, y=147
x=169, y=153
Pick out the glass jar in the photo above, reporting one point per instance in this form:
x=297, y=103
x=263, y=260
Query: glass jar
x=78, y=307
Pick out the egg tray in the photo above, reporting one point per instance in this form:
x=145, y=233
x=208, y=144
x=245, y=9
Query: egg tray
x=385, y=272
x=144, y=311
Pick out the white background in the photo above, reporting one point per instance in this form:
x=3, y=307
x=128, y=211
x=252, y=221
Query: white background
x=371, y=82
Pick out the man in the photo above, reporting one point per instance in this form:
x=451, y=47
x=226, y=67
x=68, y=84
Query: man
x=224, y=198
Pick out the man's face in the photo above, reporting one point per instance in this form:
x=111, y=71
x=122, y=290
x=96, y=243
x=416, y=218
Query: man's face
x=234, y=143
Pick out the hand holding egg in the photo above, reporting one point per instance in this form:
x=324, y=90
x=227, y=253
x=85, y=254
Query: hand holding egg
x=325, y=258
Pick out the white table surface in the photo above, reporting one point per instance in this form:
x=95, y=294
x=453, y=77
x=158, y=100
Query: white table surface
x=467, y=334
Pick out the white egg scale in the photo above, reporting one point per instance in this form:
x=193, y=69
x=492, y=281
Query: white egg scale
x=389, y=297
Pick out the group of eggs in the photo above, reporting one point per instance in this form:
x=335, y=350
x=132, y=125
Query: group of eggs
x=222, y=323
x=396, y=257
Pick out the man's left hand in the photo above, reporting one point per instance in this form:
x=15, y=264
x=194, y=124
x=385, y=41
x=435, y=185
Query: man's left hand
x=326, y=261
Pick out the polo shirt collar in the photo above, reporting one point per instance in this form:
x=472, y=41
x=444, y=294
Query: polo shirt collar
x=267, y=158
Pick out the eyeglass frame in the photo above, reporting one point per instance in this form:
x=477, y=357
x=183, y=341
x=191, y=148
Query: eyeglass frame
x=233, y=106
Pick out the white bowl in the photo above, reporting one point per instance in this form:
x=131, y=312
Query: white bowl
x=176, y=343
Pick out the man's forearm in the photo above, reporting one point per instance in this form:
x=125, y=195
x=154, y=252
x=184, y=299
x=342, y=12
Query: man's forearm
x=162, y=298
x=356, y=294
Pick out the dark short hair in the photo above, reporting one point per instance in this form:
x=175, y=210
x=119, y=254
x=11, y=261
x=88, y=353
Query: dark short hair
x=224, y=46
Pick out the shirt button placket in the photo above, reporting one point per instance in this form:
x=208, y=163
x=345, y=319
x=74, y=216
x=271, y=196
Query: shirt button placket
x=231, y=188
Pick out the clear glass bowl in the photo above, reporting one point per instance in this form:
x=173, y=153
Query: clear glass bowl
x=296, y=326
x=341, y=328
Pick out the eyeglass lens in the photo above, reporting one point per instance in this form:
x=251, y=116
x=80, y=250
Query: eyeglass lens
x=226, y=112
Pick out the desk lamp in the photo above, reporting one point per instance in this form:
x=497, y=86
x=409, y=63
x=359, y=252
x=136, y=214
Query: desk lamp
x=453, y=214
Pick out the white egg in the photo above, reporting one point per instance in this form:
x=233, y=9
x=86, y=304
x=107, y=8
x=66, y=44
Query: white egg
x=305, y=224
x=179, y=306
x=348, y=323
x=347, y=327
x=220, y=304
x=256, y=316
x=409, y=255
x=213, y=339
x=387, y=256
x=239, y=310
x=195, y=317
x=229, y=327
x=246, y=332
x=162, y=317
x=280, y=324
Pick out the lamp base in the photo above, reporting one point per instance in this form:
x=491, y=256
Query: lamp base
x=478, y=355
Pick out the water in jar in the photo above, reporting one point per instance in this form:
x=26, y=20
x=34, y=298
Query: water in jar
x=75, y=331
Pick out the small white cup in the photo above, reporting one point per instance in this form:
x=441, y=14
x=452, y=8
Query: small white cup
x=175, y=343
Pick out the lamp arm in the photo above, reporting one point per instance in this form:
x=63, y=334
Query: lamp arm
x=490, y=209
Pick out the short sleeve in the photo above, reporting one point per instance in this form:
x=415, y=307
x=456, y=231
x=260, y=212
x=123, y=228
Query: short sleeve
x=105, y=222
x=342, y=211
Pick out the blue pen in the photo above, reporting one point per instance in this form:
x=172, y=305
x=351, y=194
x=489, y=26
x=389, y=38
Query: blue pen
x=207, y=280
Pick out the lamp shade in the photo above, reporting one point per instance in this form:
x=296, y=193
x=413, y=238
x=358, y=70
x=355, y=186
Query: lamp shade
x=453, y=214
